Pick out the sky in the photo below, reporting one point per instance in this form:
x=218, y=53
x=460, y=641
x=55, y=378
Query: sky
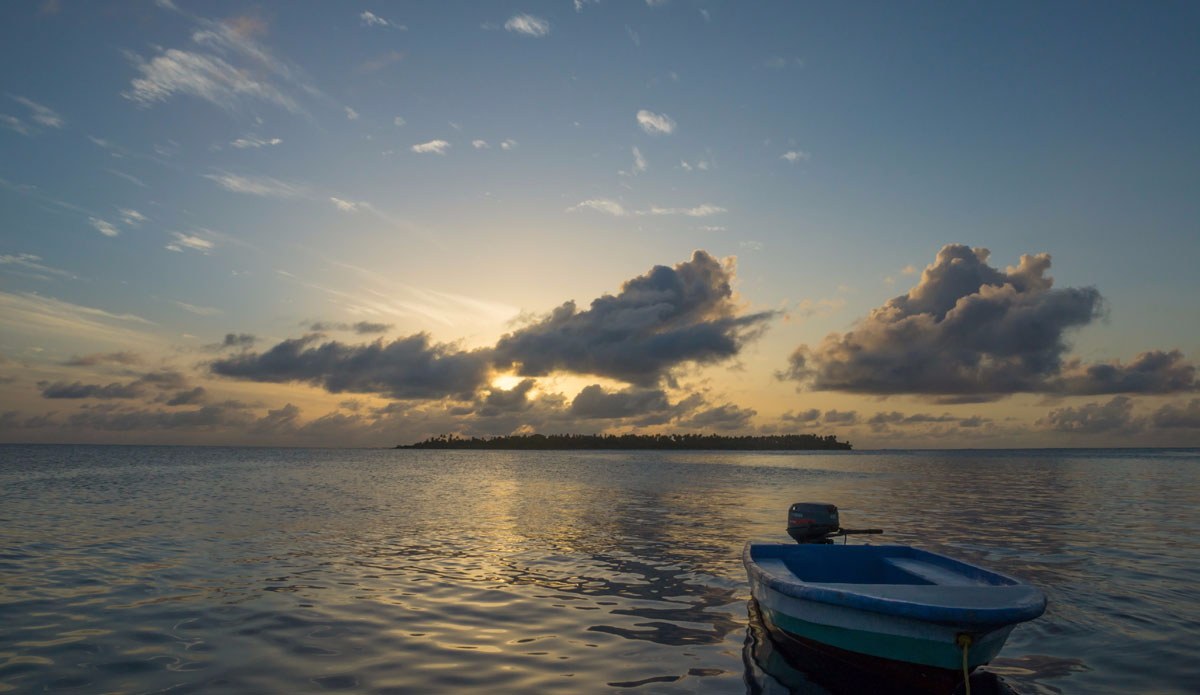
x=337, y=224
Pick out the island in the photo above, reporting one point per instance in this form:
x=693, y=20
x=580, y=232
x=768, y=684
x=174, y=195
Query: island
x=668, y=442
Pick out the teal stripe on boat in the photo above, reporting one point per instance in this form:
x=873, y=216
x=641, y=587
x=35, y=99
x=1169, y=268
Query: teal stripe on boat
x=908, y=649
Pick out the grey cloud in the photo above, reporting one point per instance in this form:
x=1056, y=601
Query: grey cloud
x=1094, y=418
x=219, y=416
x=193, y=397
x=275, y=421
x=723, y=417
x=124, y=357
x=1154, y=371
x=499, y=401
x=361, y=328
x=408, y=367
x=803, y=417
x=1181, y=415
x=61, y=389
x=835, y=417
x=238, y=340
x=657, y=321
x=882, y=421
x=967, y=329
x=593, y=402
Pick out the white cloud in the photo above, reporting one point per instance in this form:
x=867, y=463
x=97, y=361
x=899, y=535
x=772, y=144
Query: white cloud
x=42, y=115
x=714, y=228
x=684, y=165
x=656, y=3
x=128, y=177
x=480, y=144
x=750, y=244
x=30, y=262
x=639, y=162
x=257, y=185
x=699, y=211
x=370, y=19
x=198, y=310
x=254, y=141
x=399, y=121
x=14, y=123
x=655, y=123
x=508, y=144
x=794, y=156
x=201, y=75
x=438, y=146
x=103, y=227
x=185, y=241
x=351, y=114
x=707, y=17
x=131, y=217
x=528, y=25
x=601, y=205
x=346, y=205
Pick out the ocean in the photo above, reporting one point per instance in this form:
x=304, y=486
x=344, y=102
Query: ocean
x=248, y=570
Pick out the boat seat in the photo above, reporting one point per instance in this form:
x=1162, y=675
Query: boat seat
x=931, y=572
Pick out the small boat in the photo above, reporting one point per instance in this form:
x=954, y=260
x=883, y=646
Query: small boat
x=913, y=615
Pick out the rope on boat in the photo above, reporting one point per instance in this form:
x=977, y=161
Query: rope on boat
x=964, y=640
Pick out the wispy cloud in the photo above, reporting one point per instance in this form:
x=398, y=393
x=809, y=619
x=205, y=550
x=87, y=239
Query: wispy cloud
x=187, y=241
x=480, y=144
x=437, y=146
x=15, y=124
x=105, y=228
x=351, y=114
x=528, y=25
x=399, y=121
x=370, y=19
x=33, y=265
x=639, y=162
x=205, y=76
x=601, y=205
x=794, y=156
x=42, y=115
x=258, y=185
x=197, y=310
x=131, y=217
x=255, y=142
x=699, y=211
x=348, y=205
x=128, y=177
x=614, y=208
x=30, y=313
x=655, y=123
x=508, y=144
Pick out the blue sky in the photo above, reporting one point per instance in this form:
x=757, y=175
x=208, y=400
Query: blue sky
x=174, y=172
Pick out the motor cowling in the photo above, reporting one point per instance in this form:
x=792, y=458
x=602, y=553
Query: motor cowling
x=812, y=522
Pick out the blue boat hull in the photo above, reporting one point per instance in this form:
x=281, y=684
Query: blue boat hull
x=889, y=602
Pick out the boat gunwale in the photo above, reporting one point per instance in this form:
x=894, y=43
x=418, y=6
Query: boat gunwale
x=977, y=618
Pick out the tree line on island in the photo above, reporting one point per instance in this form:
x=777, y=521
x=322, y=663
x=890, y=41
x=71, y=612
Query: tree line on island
x=693, y=442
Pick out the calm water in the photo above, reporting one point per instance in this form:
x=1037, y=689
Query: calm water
x=143, y=569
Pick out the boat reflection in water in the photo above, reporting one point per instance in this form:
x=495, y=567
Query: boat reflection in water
x=777, y=664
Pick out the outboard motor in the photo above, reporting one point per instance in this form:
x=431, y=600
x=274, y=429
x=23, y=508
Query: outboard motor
x=812, y=522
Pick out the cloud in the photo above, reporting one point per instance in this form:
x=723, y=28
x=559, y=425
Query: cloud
x=361, y=328
x=436, y=146
x=123, y=357
x=593, y=402
x=479, y=144
x=344, y=205
x=194, y=396
x=128, y=177
x=184, y=241
x=258, y=185
x=1178, y=415
x=29, y=313
x=794, y=156
x=410, y=367
x=351, y=114
x=370, y=19
x=639, y=162
x=722, y=417
x=528, y=25
x=657, y=321
x=255, y=142
x=699, y=211
x=1094, y=418
x=197, y=310
x=201, y=75
x=965, y=330
x=42, y=115
x=655, y=123
x=601, y=205
x=508, y=144
x=32, y=265
x=1154, y=371
x=163, y=379
x=15, y=124
x=398, y=121
x=835, y=417
x=131, y=217
x=103, y=227
x=803, y=417
x=237, y=340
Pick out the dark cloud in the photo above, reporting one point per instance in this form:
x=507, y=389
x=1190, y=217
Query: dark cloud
x=239, y=340
x=193, y=397
x=61, y=389
x=408, y=367
x=835, y=417
x=593, y=402
x=1178, y=415
x=1150, y=372
x=361, y=328
x=281, y=420
x=881, y=422
x=1094, y=418
x=499, y=401
x=124, y=357
x=804, y=417
x=966, y=330
x=219, y=416
x=657, y=321
x=721, y=417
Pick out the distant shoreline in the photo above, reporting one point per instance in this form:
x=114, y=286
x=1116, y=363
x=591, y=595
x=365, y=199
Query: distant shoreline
x=622, y=442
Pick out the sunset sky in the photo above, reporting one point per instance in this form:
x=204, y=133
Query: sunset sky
x=933, y=225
